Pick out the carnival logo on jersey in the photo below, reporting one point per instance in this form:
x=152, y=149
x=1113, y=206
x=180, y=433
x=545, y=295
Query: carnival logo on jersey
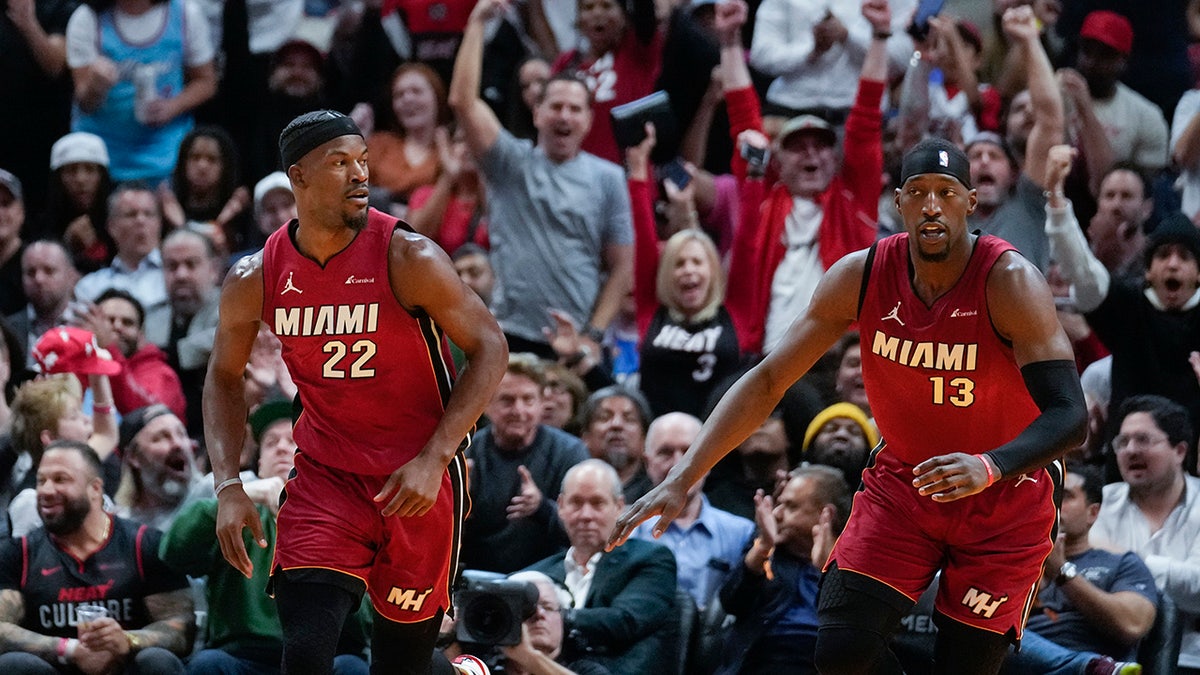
x=894, y=315
x=408, y=599
x=964, y=312
x=289, y=286
x=957, y=356
x=355, y=280
x=327, y=320
x=982, y=603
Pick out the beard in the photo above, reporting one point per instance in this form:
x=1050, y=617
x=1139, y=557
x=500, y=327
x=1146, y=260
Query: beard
x=357, y=222
x=849, y=461
x=74, y=512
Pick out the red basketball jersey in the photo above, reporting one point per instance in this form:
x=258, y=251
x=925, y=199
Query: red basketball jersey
x=373, y=378
x=939, y=378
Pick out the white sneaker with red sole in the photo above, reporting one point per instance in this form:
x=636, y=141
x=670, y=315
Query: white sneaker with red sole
x=470, y=665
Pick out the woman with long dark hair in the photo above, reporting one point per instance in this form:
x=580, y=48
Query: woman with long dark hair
x=205, y=193
x=77, y=200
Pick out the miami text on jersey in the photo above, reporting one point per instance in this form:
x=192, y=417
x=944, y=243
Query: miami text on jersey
x=936, y=355
x=327, y=320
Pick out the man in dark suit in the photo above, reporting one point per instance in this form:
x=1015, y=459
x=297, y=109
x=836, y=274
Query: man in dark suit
x=48, y=277
x=623, y=611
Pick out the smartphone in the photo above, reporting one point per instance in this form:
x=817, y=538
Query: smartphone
x=755, y=157
x=926, y=9
x=677, y=172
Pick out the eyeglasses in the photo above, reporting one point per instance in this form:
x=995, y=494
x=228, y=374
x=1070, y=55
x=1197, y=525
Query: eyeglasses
x=1141, y=440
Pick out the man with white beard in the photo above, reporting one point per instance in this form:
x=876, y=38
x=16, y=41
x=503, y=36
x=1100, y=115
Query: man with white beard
x=159, y=474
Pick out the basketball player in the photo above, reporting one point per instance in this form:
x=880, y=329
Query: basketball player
x=362, y=306
x=972, y=383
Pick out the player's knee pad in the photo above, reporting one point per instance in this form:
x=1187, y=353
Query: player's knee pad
x=857, y=616
x=963, y=649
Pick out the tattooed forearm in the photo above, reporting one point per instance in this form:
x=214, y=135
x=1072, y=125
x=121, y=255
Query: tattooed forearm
x=174, y=621
x=13, y=638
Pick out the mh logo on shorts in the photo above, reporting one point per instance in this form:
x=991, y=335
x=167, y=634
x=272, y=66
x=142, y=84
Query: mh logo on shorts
x=408, y=599
x=982, y=603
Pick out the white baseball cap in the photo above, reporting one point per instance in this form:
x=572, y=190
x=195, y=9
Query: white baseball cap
x=76, y=147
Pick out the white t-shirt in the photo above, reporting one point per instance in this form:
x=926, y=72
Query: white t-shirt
x=83, y=27
x=798, y=273
x=1188, y=107
x=1136, y=128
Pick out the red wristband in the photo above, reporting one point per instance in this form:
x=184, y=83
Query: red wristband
x=991, y=471
x=61, y=650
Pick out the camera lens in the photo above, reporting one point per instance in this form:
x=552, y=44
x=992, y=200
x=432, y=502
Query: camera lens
x=488, y=617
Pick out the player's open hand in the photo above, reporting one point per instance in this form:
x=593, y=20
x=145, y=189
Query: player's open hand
x=946, y=478
x=666, y=501
x=235, y=513
x=412, y=489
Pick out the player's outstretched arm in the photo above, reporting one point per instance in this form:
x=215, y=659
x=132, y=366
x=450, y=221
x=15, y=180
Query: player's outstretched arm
x=424, y=279
x=224, y=405
x=743, y=408
x=1022, y=310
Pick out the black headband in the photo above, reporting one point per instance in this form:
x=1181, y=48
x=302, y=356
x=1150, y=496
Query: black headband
x=934, y=155
x=311, y=130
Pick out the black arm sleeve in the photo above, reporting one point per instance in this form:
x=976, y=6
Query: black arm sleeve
x=1054, y=386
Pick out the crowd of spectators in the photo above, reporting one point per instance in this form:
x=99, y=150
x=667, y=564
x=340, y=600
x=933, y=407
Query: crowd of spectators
x=634, y=283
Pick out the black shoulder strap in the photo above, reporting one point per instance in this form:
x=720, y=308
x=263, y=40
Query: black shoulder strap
x=862, y=290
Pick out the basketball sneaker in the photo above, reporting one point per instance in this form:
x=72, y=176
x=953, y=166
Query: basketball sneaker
x=469, y=665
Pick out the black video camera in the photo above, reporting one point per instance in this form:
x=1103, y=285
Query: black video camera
x=492, y=609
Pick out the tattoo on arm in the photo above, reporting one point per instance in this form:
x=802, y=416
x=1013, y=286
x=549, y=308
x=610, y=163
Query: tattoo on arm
x=13, y=638
x=174, y=621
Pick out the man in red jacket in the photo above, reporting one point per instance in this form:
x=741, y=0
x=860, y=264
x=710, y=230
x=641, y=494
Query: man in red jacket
x=808, y=212
x=118, y=320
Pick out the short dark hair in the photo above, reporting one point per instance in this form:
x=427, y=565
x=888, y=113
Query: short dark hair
x=133, y=186
x=467, y=249
x=566, y=76
x=831, y=489
x=121, y=294
x=1142, y=177
x=1093, y=481
x=85, y=451
x=1168, y=415
x=592, y=404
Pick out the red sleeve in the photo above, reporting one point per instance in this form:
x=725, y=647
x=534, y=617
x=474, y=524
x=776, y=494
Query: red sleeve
x=863, y=163
x=741, y=288
x=645, y=254
x=149, y=381
x=989, y=115
x=849, y=227
x=744, y=113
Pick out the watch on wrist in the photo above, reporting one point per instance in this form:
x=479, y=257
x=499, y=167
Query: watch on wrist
x=1066, y=573
x=135, y=642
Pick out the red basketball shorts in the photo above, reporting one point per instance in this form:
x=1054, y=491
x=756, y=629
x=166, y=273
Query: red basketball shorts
x=989, y=546
x=330, y=529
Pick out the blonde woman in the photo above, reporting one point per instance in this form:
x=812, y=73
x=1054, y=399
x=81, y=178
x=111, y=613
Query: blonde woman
x=689, y=342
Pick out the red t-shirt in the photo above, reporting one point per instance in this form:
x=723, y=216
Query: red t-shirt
x=456, y=222
x=939, y=378
x=373, y=378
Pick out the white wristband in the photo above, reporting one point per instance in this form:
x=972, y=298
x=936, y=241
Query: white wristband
x=226, y=483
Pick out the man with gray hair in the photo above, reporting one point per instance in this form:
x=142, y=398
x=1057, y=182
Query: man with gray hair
x=135, y=223
x=541, y=643
x=623, y=601
x=186, y=325
x=707, y=542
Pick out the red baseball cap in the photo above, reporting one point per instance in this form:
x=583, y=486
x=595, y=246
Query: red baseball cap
x=1108, y=28
x=66, y=349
